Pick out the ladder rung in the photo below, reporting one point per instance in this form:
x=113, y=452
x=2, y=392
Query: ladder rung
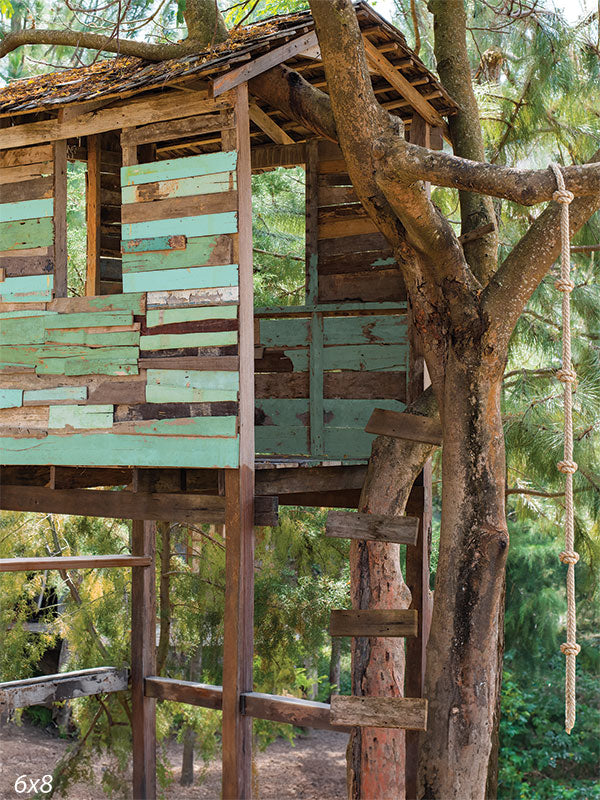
x=374, y=622
x=409, y=713
x=372, y=527
x=72, y=562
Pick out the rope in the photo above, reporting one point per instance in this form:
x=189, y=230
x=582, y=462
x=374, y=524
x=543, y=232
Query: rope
x=567, y=376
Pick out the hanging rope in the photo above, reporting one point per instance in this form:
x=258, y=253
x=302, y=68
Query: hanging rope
x=566, y=374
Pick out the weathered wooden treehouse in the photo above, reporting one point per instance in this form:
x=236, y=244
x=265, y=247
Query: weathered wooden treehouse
x=164, y=379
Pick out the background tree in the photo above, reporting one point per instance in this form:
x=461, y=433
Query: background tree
x=466, y=303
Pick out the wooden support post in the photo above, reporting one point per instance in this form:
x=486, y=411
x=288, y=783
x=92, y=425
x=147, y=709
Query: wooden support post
x=92, y=280
x=143, y=662
x=239, y=501
x=417, y=558
x=60, y=218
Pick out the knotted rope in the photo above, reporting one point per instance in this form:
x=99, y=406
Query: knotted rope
x=567, y=466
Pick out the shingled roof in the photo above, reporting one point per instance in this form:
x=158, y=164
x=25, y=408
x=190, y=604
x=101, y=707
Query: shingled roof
x=121, y=77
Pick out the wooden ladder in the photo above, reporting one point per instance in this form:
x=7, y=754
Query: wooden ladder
x=409, y=713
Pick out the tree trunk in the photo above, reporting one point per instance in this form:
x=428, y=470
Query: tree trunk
x=187, y=761
x=463, y=660
x=335, y=665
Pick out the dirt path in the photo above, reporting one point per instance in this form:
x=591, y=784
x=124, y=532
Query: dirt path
x=313, y=769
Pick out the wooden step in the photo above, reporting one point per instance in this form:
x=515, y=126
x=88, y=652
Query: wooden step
x=64, y=686
x=372, y=527
x=72, y=562
x=291, y=710
x=409, y=713
x=401, y=425
x=374, y=622
x=190, y=692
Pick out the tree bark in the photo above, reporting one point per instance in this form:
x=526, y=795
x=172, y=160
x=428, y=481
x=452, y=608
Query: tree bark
x=187, y=759
x=462, y=656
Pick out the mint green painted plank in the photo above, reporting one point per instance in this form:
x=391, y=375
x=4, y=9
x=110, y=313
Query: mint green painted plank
x=28, y=209
x=29, y=330
x=75, y=360
x=134, y=303
x=347, y=443
x=30, y=355
x=292, y=332
x=299, y=359
x=185, y=167
x=49, y=396
x=26, y=234
x=88, y=319
x=149, y=244
x=286, y=412
x=168, y=316
x=370, y=357
x=348, y=413
x=186, y=187
x=115, y=450
x=282, y=440
x=30, y=288
x=201, y=225
x=365, y=329
x=198, y=251
x=26, y=312
x=11, y=398
x=173, y=279
x=91, y=339
x=315, y=362
x=91, y=416
x=170, y=341
x=181, y=386
x=193, y=426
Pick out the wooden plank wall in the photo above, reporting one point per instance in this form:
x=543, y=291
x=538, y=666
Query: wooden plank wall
x=27, y=224
x=360, y=365
x=156, y=368
x=354, y=260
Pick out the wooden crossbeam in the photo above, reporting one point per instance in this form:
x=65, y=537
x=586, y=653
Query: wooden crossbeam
x=292, y=710
x=373, y=622
x=71, y=562
x=372, y=527
x=409, y=713
x=194, y=694
x=66, y=685
x=239, y=75
x=395, y=78
x=268, y=125
x=124, y=114
x=405, y=426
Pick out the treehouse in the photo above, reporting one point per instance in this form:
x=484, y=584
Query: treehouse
x=164, y=380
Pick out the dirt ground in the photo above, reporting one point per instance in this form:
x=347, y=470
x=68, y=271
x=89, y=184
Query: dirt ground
x=313, y=769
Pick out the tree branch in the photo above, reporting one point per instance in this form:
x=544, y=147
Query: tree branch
x=450, y=31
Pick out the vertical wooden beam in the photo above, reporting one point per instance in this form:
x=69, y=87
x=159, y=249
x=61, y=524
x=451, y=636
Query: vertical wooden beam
x=92, y=280
x=143, y=661
x=418, y=557
x=316, y=384
x=239, y=504
x=60, y=218
x=312, y=222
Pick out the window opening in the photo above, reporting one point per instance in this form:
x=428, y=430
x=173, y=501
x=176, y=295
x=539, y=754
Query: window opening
x=76, y=228
x=279, y=237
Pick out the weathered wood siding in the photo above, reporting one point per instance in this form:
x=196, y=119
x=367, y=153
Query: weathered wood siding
x=26, y=224
x=149, y=377
x=321, y=374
